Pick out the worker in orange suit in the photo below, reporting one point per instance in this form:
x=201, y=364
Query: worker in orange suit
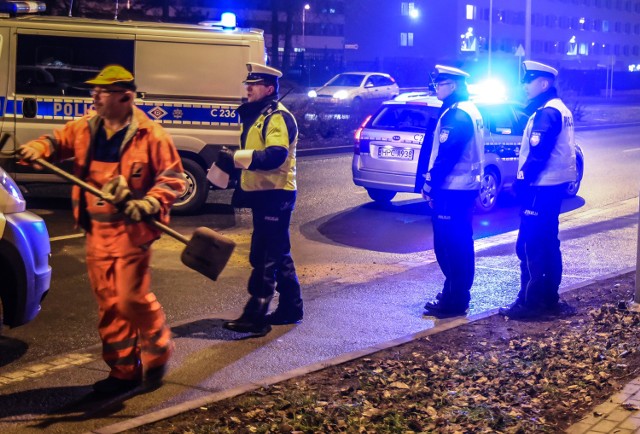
x=133, y=160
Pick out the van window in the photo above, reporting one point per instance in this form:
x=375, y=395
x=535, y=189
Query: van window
x=58, y=65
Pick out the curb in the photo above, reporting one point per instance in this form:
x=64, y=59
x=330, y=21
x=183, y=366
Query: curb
x=440, y=326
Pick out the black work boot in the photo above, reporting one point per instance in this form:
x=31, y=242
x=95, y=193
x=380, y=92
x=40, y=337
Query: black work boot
x=115, y=386
x=154, y=376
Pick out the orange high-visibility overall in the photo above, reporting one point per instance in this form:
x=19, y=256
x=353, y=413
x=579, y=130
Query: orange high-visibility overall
x=132, y=323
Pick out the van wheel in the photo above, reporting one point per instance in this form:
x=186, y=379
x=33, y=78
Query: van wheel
x=488, y=196
x=197, y=189
x=381, y=196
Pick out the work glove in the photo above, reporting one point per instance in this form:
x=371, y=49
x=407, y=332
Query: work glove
x=29, y=153
x=225, y=161
x=116, y=190
x=138, y=209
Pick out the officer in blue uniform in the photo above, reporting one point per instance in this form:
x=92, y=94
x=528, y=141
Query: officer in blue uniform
x=451, y=186
x=547, y=163
x=267, y=157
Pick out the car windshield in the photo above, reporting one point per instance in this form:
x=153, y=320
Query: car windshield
x=405, y=117
x=346, y=80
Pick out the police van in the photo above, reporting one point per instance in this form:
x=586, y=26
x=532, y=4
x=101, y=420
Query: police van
x=189, y=80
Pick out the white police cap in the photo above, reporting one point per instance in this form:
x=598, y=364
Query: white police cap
x=533, y=70
x=261, y=73
x=449, y=72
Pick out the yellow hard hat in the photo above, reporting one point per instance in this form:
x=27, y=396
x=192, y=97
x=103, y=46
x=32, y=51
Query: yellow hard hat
x=114, y=75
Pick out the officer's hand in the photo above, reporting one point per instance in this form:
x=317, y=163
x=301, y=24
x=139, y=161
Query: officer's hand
x=225, y=160
x=138, y=209
x=116, y=190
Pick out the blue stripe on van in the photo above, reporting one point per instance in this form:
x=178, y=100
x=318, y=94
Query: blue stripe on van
x=164, y=113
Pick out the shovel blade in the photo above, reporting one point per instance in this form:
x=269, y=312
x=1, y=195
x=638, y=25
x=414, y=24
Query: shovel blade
x=207, y=252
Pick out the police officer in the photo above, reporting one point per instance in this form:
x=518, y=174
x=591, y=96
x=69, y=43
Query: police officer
x=451, y=186
x=267, y=157
x=547, y=163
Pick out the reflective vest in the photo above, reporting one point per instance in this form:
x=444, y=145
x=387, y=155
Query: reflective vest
x=467, y=172
x=276, y=134
x=561, y=166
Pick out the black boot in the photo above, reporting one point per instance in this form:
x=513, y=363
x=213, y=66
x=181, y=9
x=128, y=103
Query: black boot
x=282, y=316
x=248, y=325
x=253, y=319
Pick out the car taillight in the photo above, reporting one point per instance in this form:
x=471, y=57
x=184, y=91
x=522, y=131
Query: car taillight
x=358, y=142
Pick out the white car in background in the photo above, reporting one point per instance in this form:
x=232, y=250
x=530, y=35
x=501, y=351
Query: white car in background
x=24, y=257
x=355, y=90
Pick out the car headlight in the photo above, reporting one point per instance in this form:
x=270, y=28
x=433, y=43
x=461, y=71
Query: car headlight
x=312, y=94
x=341, y=94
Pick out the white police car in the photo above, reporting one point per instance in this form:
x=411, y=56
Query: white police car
x=24, y=257
x=392, y=148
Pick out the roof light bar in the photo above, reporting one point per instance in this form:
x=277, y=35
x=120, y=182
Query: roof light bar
x=22, y=7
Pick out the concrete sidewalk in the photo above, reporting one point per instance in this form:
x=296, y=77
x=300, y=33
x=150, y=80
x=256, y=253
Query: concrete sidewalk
x=608, y=235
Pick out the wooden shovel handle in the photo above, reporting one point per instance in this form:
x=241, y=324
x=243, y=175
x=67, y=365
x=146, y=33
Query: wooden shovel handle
x=97, y=192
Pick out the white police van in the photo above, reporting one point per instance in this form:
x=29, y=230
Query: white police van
x=189, y=80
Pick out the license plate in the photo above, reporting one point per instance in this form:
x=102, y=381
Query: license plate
x=397, y=153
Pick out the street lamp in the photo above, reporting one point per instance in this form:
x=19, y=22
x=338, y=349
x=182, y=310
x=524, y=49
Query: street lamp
x=304, y=19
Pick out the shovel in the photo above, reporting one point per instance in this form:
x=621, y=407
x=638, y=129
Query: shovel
x=207, y=252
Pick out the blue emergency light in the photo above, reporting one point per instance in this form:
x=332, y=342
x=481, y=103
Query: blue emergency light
x=22, y=7
x=227, y=21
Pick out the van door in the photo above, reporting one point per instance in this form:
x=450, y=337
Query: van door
x=47, y=84
x=6, y=124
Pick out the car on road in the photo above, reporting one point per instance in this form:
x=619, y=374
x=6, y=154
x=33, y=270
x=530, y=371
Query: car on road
x=24, y=257
x=392, y=148
x=355, y=90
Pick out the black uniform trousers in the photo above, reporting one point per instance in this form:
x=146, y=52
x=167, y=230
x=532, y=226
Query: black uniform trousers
x=538, y=246
x=270, y=257
x=453, y=244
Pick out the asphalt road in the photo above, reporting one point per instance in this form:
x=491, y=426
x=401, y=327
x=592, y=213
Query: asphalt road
x=342, y=242
x=330, y=210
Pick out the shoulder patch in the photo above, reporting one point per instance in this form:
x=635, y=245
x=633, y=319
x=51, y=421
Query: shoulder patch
x=534, y=140
x=444, y=135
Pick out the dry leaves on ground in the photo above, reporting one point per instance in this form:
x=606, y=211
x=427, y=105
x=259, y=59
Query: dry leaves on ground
x=493, y=375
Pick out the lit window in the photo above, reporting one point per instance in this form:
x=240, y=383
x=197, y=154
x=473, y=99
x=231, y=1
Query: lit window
x=572, y=47
x=584, y=49
x=471, y=12
x=406, y=39
x=468, y=41
x=406, y=8
x=605, y=25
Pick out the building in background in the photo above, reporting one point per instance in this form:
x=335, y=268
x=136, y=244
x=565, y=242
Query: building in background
x=595, y=42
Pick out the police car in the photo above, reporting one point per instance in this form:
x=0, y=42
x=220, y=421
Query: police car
x=393, y=146
x=24, y=257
